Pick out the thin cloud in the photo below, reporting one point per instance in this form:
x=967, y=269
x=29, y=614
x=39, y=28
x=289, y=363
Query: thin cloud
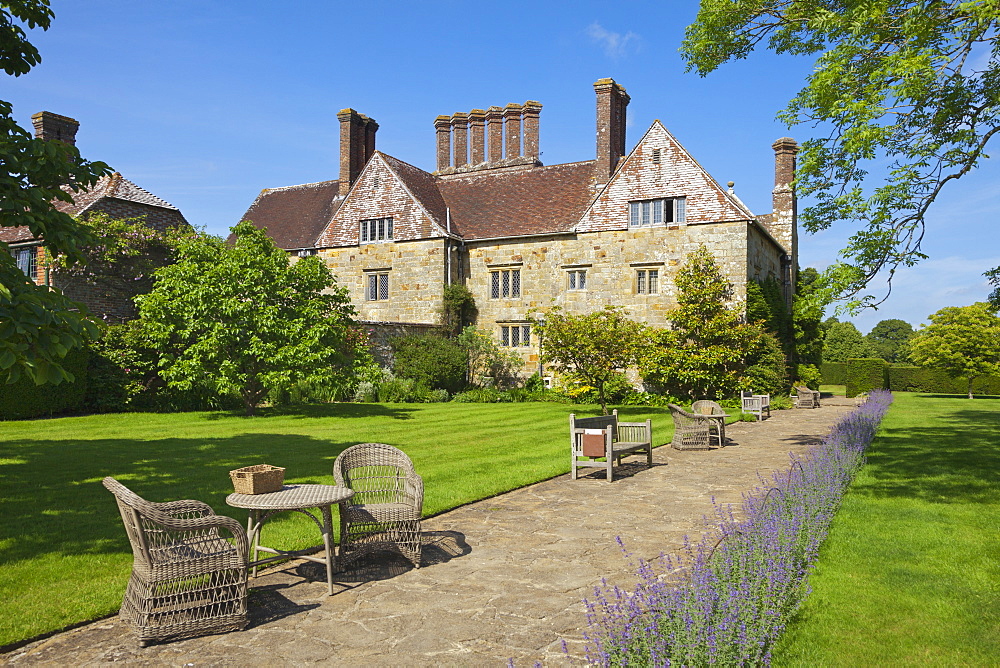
x=615, y=44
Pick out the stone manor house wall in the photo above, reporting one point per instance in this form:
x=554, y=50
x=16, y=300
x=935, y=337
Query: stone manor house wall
x=521, y=235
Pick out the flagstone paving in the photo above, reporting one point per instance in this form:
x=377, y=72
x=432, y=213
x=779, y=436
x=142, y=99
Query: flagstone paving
x=502, y=579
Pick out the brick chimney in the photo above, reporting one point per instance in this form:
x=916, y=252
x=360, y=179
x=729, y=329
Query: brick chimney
x=529, y=116
x=53, y=126
x=494, y=130
x=477, y=129
x=357, y=145
x=784, y=220
x=442, y=127
x=611, y=103
x=512, y=130
x=460, y=138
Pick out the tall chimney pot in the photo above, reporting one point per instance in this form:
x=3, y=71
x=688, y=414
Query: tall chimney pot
x=49, y=126
x=442, y=128
x=357, y=144
x=612, y=101
x=460, y=138
x=530, y=114
x=494, y=131
x=477, y=128
x=512, y=128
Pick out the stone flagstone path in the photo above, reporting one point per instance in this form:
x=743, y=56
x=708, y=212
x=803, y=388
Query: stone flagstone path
x=501, y=579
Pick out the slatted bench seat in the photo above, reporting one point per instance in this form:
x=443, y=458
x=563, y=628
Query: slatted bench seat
x=604, y=436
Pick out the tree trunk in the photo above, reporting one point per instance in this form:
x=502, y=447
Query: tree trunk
x=970, y=387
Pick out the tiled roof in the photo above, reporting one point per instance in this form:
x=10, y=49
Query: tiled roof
x=13, y=235
x=295, y=215
x=115, y=186
x=492, y=204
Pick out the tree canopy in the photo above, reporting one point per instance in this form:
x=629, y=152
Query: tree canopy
x=889, y=338
x=910, y=88
x=241, y=319
x=843, y=341
x=38, y=326
x=962, y=340
x=596, y=347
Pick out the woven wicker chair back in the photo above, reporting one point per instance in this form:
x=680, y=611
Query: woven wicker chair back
x=377, y=473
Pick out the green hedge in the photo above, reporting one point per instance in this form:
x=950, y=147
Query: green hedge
x=865, y=374
x=919, y=379
x=834, y=373
x=23, y=399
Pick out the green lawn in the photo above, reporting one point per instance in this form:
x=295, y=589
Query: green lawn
x=64, y=556
x=910, y=574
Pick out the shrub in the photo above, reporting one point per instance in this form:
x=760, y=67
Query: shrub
x=402, y=390
x=726, y=599
x=920, y=379
x=489, y=363
x=833, y=373
x=809, y=376
x=432, y=361
x=781, y=402
x=865, y=374
x=458, y=309
x=23, y=399
x=766, y=371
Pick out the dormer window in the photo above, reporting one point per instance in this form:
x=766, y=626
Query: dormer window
x=376, y=229
x=650, y=212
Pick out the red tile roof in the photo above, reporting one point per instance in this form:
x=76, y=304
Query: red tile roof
x=295, y=215
x=13, y=235
x=502, y=203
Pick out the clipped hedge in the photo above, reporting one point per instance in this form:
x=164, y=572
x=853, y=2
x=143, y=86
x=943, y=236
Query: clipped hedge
x=833, y=373
x=919, y=379
x=865, y=374
x=23, y=399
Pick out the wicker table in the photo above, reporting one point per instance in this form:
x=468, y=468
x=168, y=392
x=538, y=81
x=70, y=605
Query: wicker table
x=293, y=498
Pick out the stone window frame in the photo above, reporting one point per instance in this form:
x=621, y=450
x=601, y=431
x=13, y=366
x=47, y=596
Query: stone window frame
x=576, y=276
x=647, y=277
x=377, y=285
x=375, y=230
x=505, y=281
x=514, y=335
x=657, y=211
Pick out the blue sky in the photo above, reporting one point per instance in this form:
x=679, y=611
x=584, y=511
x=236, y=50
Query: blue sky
x=205, y=103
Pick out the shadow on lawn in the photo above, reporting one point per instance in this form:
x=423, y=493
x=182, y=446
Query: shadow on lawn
x=955, y=461
x=344, y=410
x=52, y=500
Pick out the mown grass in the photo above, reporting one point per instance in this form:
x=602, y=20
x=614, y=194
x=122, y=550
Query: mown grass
x=64, y=556
x=910, y=574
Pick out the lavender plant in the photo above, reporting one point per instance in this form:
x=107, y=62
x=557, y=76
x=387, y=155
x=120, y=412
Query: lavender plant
x=726, y=598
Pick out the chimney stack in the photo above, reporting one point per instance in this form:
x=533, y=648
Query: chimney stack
x=784, y=219
x=50, y=126
x=611, y=103
x=460, y=138
x=477, y=129
x=357, y=145
x=442, y=126
x=512, y=130
x=530, y=115
x=494, y=130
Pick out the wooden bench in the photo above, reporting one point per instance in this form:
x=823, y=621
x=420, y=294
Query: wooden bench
x=806, y=398
x=757, y=404
x=604, y=436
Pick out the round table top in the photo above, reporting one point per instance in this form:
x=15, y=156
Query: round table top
x=292, y=497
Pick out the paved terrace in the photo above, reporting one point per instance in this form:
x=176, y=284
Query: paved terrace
x=501, y=579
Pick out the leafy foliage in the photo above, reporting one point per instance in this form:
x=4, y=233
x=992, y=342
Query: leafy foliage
x=962, y=340
x=889, y=338
x=938, y=381
x=596, y=347
x=843, y=341
x=807, y=317
x=907, y=87
x=808, y=375
x=705, y=353
x=765, y=372
x=242, y=319
x=458, y=308
x=432, y=361
x=38, y=327
x=865, y=375
x=489, y=362
x=993, y=276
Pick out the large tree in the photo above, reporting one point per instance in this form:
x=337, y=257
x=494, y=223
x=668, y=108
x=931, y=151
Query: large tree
x=38, y=326
x=596, y=347
x=243, y=320
x=889, y=337
x=962, y=340
x=705, y=353
x=843, y=341
x=910, y=88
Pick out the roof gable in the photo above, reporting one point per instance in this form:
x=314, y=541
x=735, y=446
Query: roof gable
x=389, y=187
x=660, y=167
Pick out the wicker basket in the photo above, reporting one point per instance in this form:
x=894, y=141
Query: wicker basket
x=258, y=479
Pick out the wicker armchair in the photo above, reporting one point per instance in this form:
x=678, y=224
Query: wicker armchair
x=806, y=398
x=691, y=431
x=384, y=512
x=718, y=415
x=188, y=578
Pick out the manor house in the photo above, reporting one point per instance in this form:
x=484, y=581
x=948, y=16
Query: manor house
x=522, y=235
